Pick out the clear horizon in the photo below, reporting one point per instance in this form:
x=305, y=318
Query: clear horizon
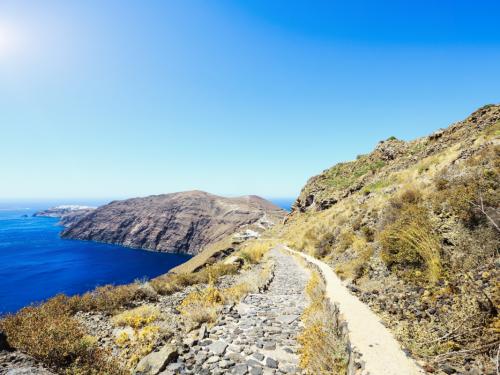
x=122, y=99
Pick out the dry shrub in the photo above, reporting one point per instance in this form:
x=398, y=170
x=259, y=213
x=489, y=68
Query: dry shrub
x=253, y=252
x=467, y=330
x=346, y=239
x=138, y=344
x=323, y=350
x=356, y=267
x=463, y=192
x=106, y=299
x=250, y=283
x=368, y=233
x=325, y=245
x=51, y=335
x=202, y=306
x=411, y=244
x=141, y=341
x=171, y=283
x=138, y=317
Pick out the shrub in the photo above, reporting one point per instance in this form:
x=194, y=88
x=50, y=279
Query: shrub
x=253, y=252
x=138, y=317
x=322, y=350
x=251, y=282
x=325, y=245
x=463, y=194
x=368, y=233
x=346, y=238
x=106, y=299
x=410, y=242
x=171, y=283
x=49, y=334
x=356, y=267
x=202, y=306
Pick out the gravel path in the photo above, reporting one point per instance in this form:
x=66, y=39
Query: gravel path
x=381, y=353
x=257, y=336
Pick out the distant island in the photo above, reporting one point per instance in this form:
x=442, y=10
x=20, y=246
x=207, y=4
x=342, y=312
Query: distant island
x=183, y=222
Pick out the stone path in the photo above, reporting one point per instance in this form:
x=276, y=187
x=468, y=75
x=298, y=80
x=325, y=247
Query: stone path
x=257, y=336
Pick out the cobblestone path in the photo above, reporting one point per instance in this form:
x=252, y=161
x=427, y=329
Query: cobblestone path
x=258, y=335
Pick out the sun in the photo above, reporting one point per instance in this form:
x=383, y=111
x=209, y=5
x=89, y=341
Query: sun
x=8, y=40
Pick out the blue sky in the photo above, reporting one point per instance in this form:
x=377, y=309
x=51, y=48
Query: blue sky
x=126, y=98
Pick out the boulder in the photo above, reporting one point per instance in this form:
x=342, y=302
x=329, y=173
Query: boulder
x=156, y=362
x=218, y=347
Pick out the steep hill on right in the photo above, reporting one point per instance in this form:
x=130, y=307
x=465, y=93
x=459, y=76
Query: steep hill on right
x=413, y=229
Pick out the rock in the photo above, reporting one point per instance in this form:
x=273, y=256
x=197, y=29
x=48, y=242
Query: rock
x=272, y=363
x=258, y=356
x=240, y=369
x=256, y=371
x=156, y=362
x=206, y=342
x=269, y=346
x=173, y=368
x=213, y=359
x=287, y=319
x=218, y=347
x=448, y=369
x=235, y=260
x=203, y=332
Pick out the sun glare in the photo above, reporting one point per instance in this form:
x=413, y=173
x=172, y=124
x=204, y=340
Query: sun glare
x=8, y=40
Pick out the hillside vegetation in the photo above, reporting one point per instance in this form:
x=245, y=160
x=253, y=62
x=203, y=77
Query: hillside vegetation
x=413, y=229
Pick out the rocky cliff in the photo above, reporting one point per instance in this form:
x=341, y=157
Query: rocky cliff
x=390, y=156
x=183, y=222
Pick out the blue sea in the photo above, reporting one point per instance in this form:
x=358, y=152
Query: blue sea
x=36, y=264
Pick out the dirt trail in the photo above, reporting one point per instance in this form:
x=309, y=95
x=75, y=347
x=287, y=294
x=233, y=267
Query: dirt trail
x=381, y=353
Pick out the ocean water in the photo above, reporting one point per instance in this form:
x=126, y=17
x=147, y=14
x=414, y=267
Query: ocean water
x=36, y=264
x=284, y=203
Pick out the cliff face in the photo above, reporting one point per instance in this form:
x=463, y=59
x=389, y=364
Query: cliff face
x=177, y=223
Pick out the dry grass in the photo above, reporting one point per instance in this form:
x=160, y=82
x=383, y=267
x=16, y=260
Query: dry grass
x=202, y=306
x=51, y=335
x=322, y=348
x=251, y=282
x=171, y=283
x=138, y=317
x=356, y=267
x=411, y=244
x=137, y=344
x=253, y=251
x=106, y=299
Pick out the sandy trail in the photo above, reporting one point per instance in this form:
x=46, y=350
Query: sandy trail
x=381, y=353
